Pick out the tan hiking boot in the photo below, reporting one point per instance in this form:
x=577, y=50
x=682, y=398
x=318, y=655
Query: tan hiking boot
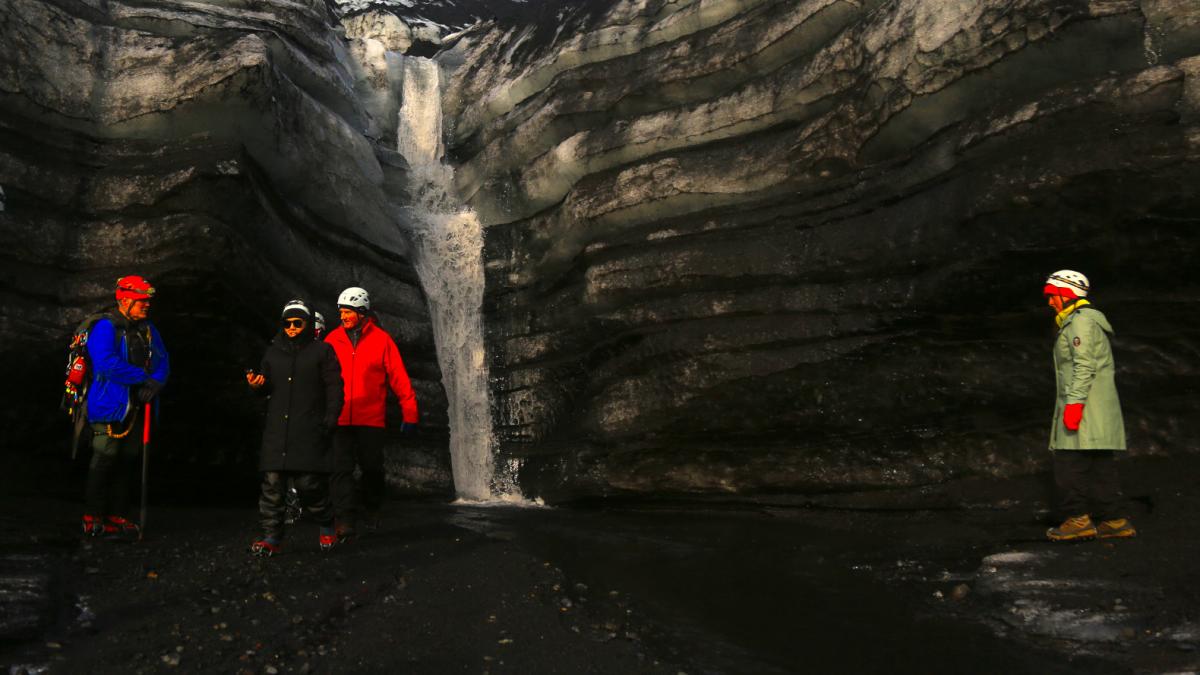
x=1121, y=528
x=1074, y=528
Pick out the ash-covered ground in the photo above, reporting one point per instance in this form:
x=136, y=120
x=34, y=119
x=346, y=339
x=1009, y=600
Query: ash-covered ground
x=946, y=579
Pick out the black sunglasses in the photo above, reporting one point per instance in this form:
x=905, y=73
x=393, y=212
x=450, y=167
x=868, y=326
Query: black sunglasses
x=293, y=323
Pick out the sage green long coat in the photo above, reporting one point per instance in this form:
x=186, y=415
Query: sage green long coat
x=1084, y=373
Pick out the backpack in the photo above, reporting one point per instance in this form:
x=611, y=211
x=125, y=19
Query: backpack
x=79, y=376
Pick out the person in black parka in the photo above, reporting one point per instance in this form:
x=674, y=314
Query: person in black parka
x=303, y=381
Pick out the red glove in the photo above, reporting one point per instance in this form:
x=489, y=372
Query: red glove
x=1072, y=414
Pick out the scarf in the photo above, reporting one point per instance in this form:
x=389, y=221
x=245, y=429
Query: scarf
x=1066, y=311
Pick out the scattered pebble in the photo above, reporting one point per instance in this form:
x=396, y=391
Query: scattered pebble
x=960, y=592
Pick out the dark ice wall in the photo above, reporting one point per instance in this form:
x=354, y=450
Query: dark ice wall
x=787, y=245
x=732, y=246
x=217, y=151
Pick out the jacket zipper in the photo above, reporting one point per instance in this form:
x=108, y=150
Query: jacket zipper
x=287, y=419
x=128, y=388
x=353, y=353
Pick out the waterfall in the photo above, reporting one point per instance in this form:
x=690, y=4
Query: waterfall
x=448, y=255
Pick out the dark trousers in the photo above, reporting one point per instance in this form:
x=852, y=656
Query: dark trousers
x=311, y=488
x=1087, y=478
x=113, y=469
x=362, y=447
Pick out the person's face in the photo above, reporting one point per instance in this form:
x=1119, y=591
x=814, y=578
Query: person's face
x=349, y=317
x=135, y=310
x=293, y=327
x=1056, y=302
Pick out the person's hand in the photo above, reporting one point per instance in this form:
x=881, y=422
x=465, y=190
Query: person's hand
x=1073, y=415
x=408, y=428
x=149, y=390
x=255, y=380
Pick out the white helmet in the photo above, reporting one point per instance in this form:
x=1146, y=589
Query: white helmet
x=318, y=321
x=355, y=298
x=1071, y=280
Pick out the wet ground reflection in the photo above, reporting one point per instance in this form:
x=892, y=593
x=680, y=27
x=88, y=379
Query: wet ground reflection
x=830, y=583
x=731, y=590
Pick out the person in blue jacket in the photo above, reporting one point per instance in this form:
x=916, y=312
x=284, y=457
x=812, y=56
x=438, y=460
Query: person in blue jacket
x=129, y=366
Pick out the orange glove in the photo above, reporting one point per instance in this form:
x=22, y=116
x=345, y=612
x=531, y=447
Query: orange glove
x=1072, y=415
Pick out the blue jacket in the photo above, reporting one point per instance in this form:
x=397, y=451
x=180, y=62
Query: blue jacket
x=113, y=375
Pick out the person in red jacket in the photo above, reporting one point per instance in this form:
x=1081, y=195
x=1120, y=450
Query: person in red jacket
x=371, y=365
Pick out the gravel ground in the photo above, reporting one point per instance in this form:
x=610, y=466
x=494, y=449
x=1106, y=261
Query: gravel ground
x=950, y=578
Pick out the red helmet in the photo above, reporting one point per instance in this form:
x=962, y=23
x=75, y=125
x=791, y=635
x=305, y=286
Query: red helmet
x=134, y=288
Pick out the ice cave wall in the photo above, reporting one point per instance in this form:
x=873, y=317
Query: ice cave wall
x=228, y=151
x=767, y=245
x=731, y=246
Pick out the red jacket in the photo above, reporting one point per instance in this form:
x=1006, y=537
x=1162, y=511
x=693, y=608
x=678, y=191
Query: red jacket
x=368, y=369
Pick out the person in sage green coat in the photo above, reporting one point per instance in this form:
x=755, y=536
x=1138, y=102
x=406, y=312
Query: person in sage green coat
x=1087, y=429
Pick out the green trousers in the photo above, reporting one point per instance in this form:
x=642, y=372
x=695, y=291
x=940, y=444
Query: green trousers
x=113, y=469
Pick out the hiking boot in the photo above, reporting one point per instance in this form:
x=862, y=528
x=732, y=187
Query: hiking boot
x=345, y=535
x=327, y=542
x=1119, y=528
x=1075, y=528
x=265, y=548
x=120, y=528
x=93, y=526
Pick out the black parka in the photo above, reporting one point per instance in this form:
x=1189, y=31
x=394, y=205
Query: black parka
x=304, y=383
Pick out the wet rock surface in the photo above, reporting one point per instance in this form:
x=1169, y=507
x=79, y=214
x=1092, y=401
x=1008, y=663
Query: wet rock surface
x=634, y=586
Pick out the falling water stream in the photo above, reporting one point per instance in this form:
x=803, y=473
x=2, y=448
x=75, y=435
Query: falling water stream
x=448, y=244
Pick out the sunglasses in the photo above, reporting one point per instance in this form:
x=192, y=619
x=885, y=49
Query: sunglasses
x=293, y=323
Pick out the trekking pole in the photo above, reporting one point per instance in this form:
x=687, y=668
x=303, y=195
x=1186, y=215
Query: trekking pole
x=145, y=470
